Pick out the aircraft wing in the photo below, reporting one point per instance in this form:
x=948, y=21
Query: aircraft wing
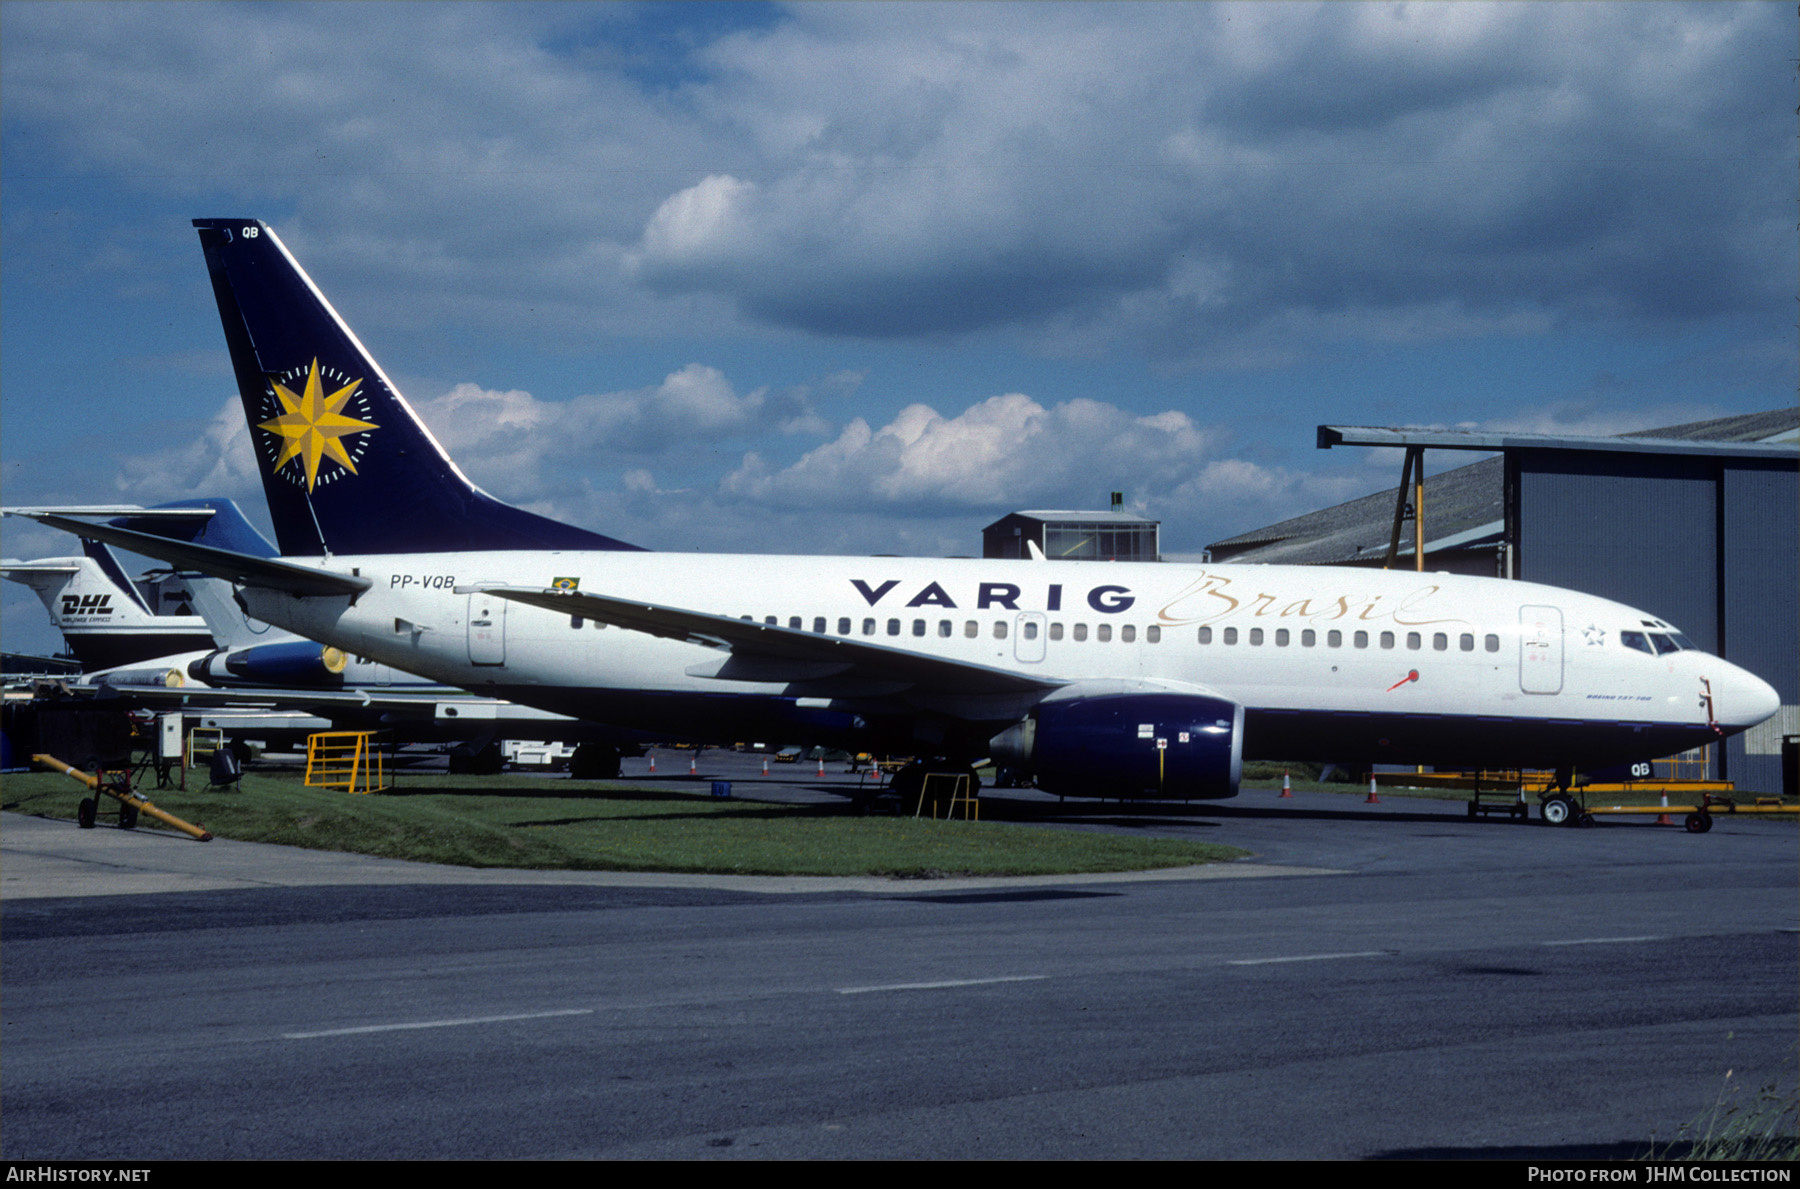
x=322, y=702
x=241, y=568
x=256, y=697
x=767, y=652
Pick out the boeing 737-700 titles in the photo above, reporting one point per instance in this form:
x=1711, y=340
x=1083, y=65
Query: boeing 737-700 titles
x=1146, y=679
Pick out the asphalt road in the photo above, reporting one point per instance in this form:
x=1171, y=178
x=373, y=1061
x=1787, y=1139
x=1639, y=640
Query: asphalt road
x=1382, y=981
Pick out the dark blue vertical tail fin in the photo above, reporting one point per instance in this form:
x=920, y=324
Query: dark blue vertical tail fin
x=346, y=464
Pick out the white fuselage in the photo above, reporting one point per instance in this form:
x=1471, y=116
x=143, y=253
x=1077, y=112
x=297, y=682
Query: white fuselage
x=1275, y=639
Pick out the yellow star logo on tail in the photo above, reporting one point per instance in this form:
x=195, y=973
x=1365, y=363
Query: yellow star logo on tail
x=312, y=426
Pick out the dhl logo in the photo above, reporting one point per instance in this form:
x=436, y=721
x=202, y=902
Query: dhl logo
x=93, y=604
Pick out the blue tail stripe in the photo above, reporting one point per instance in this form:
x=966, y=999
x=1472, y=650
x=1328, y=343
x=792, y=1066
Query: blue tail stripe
x=346, y=465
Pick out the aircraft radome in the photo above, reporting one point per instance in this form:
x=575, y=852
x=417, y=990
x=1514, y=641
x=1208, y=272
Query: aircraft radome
x=1148, y=679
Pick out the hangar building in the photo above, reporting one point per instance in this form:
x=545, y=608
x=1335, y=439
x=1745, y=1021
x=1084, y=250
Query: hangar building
x=1698, y=524
x=1117, y=535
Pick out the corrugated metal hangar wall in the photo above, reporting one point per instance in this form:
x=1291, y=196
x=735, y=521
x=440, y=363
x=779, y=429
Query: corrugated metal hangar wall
x=1710, y=544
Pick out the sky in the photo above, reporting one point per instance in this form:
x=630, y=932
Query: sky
x=865, y=277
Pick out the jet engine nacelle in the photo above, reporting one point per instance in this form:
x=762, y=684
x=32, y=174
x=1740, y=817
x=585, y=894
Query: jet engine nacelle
x=284, y=662
x=1120, y=739
x=146, y=675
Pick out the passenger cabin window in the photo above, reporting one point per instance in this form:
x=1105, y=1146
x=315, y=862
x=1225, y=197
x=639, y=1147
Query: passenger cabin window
x=1103, y=632
x=1415, y=641
x=1153, y=635
x=1056, y=631
x=1206, y=635
x=918, y=627
x=1308, y=638
x=844, y=626
x=1281, y=637
x=1361, y=639
x=868, y=627
x=971, y=629
x=1491, y=642
x=1387, y=639
x=1080, y=632
x=1334, y=638
x=1440, y=642
x=819, y=624
x=794, y=622
x=1230, y=635
x=1000, y=629
x=893, y=627
x=1466, y=641
x=944, y=629
x=1256, y=636
x=1028, y=629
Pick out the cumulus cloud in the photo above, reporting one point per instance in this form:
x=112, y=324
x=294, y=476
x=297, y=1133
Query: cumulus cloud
x=525, y=448
x=1180, y=177
x=1006, y=451
x=1234, y=183
x=216, y=462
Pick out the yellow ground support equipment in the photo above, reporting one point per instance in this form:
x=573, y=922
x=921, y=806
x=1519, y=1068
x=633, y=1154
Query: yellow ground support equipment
x=1698, y=818
x=119, y=790
x=203, y=743
x=961, y=793
x=348, y=760
x=1506, y=791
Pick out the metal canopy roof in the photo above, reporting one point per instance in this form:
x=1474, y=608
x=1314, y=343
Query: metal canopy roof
x=1466, y=503
x=1498, y=442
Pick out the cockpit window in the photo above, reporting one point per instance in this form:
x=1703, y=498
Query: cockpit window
x=1683, y=642
x=1636, y=640
x=1663, y=643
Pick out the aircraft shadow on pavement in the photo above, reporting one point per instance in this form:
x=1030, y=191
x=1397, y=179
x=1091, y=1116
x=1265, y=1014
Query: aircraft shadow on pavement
x=1140, y=814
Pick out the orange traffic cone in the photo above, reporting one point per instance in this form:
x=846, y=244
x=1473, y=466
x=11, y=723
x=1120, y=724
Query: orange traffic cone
x=1286, y=789
x=1372, y=799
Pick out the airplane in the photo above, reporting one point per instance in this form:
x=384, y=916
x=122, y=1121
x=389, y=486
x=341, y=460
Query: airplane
x=246, y=665
x=1124, y=680
x=105, y=618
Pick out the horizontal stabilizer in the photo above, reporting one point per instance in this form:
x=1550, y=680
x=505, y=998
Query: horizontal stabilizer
x=241, y=568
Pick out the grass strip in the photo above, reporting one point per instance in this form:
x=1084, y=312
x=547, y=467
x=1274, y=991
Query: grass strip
x=521, y=822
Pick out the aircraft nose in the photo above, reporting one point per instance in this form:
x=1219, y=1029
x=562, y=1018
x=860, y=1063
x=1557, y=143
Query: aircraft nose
x=1747, y=699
